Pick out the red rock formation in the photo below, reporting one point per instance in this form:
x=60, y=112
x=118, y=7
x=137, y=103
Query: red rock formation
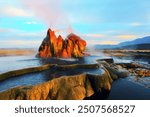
x=52, y=46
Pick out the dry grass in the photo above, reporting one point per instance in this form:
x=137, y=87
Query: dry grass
x=123, y=53
x=14, y=52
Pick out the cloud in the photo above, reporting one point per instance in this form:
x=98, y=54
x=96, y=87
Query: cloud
x=31, y=22
x=20, y=43
x=14, y=11
x=135, y=24
x=126, y=36
x=9, y=34
x=95, y=35
x=75, y=18
x=7, y=30
x=93, y=42
x=4, y=30
x=30, y=35
x=50, y=11
x=109, y=42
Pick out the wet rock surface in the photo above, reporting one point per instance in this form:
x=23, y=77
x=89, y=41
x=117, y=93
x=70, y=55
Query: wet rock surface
x=78, y=81
x=79, y=86
x=139, y=73
x=143, y=72
x=136, y=69
x=108, y=60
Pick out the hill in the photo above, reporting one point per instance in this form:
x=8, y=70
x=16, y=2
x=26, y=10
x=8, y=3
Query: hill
x=140, y=43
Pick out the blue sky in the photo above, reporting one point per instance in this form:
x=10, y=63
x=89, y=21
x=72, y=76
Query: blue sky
x=24, y=23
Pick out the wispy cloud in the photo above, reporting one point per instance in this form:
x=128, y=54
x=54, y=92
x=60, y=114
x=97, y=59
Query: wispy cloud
x=50, y=11
x=19, y=43
x=10, y=34
x=126, y=36
x=31, y=22
x=108, y=42
x=14, y=11
x=3, y=30
x=95, y=35
x=30, y=35
x=7, y=30
x=102, y=42
x=135, y=24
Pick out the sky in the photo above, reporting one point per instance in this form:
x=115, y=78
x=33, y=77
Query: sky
x=24, y=23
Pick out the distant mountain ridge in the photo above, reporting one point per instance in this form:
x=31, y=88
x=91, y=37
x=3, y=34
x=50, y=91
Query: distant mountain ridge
x=144, y=40
x=140, y=43
x=135, y=47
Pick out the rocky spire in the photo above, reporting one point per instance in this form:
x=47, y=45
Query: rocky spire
x=53, y=46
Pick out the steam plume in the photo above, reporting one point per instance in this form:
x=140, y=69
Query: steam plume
x=50, y=11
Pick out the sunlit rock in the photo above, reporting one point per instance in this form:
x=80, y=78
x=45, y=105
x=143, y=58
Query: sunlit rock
x=72, y=46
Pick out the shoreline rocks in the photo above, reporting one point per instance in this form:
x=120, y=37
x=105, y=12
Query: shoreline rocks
x=137, y=70
x=143, y=72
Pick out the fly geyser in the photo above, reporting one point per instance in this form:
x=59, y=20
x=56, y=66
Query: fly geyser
x=52, y=46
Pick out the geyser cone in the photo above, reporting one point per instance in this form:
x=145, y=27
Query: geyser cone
x=52, y=46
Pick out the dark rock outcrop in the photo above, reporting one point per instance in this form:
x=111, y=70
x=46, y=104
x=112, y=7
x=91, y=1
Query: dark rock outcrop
x=72, y=46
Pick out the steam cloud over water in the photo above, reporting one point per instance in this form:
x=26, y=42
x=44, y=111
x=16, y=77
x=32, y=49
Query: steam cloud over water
x=50, y=11
x=52, y=14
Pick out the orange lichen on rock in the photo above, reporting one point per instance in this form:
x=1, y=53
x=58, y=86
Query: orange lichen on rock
x=72, y=46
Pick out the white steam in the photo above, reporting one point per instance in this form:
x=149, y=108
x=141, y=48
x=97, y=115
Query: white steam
x=50, y=11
